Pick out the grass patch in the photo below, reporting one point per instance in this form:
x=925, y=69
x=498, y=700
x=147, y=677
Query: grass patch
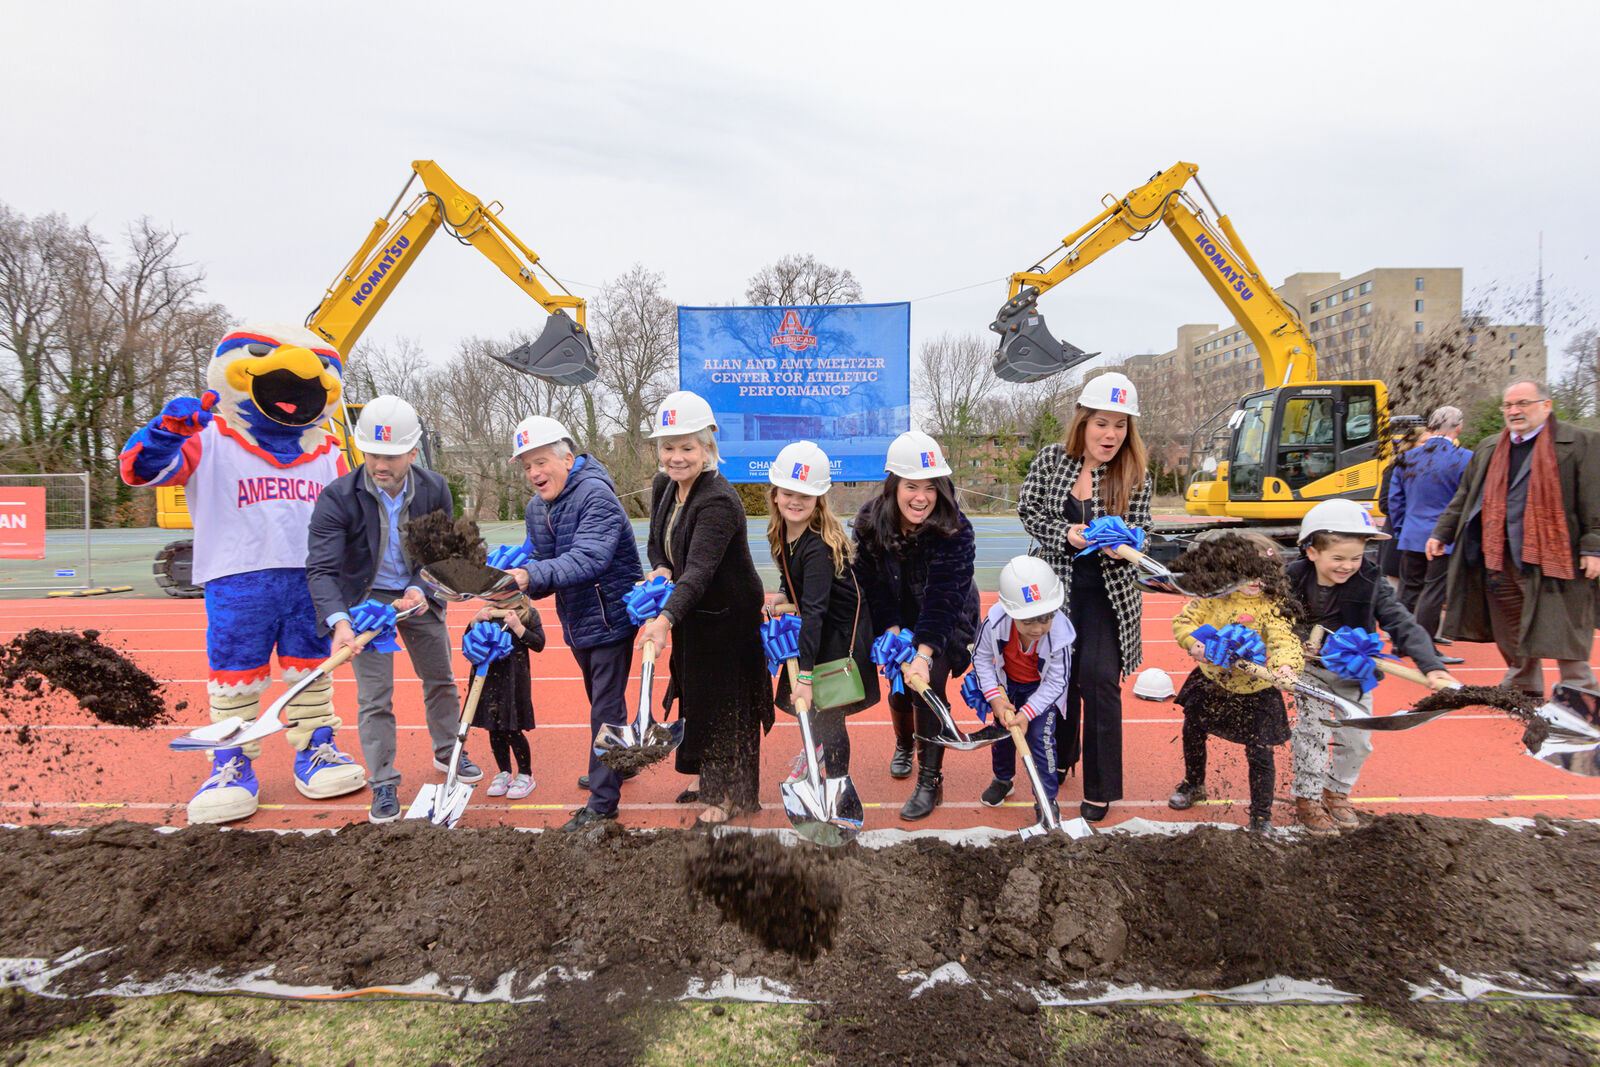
x=743, y=1035
x=1304, y=1035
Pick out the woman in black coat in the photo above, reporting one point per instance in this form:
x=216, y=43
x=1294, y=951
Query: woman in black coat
x=914, y=558
x=813, y=556
x=719, y=674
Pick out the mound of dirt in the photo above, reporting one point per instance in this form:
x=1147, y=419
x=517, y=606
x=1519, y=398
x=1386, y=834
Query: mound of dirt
x=436, y=536
x=108, y=685
x=782, y=896
x=1512, y=701
x=1368, y=911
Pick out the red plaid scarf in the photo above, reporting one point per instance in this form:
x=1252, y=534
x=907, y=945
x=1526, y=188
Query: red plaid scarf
x=1545, y=540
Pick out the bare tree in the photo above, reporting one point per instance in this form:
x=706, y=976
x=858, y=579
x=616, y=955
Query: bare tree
x=636, y=340
x=801, y=279
x=955, y=384
x=397, y=369
x=1577, y=391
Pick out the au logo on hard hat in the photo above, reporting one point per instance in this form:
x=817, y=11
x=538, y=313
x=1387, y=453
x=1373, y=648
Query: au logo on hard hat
x=792, y=335
x=382, y=433
x=928, y=460
x=1030, y=594
x=801, y=471
x=522, y=438
x=1118, y=396
x=669, y=418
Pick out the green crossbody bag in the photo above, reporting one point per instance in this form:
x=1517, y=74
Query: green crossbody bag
x=838, y=681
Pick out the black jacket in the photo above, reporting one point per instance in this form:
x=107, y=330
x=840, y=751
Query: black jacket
x=345, y=541
x=829, y=608
x=926, y=587
x=1367, y=601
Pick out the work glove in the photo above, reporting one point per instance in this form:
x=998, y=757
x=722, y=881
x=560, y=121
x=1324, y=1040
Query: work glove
x=187, y=416
x=781, y=639
x=376, y=615
x=485, y=642
x=645, y=601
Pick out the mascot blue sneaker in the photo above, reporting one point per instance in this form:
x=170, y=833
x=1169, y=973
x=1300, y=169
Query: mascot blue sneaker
x=230, y=792
x=253, y=454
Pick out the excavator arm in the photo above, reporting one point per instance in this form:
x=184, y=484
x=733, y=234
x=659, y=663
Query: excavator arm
x=1028, y=352
x=562, y=353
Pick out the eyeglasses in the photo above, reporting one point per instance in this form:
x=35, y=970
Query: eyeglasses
x=1521, y=405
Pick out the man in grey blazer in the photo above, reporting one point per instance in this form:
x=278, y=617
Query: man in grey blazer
x=355, y=552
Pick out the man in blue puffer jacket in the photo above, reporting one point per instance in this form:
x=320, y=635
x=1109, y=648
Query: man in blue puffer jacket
x=583, y=551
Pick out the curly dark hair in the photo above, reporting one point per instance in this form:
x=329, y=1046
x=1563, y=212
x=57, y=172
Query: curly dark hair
x=881, y=533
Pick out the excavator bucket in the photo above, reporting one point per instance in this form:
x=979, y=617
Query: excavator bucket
x=562, y=354
x=1027, y=351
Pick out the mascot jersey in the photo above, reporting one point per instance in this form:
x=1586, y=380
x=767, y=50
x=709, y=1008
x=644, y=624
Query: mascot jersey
x=250, y=510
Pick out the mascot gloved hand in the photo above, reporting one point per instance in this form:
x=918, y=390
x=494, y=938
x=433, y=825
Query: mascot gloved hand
x=253, y=453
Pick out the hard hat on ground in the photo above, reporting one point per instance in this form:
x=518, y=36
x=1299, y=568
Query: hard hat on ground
x=388, y=426
x=1110, y=392
x=1153, y=683
x=1029, y=588
x=916, y=455
x=682, y=413
x=536, y=431
x=1339, y=517
x=801, y=468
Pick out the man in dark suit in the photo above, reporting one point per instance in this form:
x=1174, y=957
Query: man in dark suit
x=355, y=552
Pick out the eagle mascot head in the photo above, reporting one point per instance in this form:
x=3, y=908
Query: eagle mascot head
x=274, y=384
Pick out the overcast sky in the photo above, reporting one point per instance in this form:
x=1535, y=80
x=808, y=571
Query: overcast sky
x=927, y=147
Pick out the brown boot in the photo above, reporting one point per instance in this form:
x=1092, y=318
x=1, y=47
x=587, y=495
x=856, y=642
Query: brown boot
x=1313, y=816
x=1339, y=809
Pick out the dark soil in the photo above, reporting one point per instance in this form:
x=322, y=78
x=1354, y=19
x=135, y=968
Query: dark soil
x=24, y=1017
x=240, y=1052
x=465, y=576
x=1367, y=911
x=1214, y=564
x=1517, y=703
x=107, y=684
x=436, y=536
x=780, y=895
x=946, y=1024
x=623, y=760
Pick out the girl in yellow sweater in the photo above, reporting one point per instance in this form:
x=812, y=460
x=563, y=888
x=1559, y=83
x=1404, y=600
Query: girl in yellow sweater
x=1227, y=701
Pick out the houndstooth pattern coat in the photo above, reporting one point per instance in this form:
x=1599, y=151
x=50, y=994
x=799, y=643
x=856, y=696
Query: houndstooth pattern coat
x=1042, y=506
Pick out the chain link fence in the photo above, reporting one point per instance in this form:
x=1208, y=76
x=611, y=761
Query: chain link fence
x=44, y=532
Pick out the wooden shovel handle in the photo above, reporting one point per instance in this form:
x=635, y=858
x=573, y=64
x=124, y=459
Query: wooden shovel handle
x=1256, y=670
x=1387, y=666
x=1129, y=553
x=801, y=706
x=472, y=700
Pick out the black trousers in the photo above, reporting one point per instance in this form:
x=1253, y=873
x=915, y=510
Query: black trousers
x=1094, y=698
x=1422, y=582
x=1258, y=759
x=605, y=670
x=906, y=708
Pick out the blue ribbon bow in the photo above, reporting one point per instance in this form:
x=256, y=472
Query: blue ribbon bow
x=376, y=615
x=781, y=639
x=485, y=642
x=1349, y=652
x=644, y=602
x=1109, y=531
x=890, y=651
x=1230, y=643
x=972, y=693
x=508, y=556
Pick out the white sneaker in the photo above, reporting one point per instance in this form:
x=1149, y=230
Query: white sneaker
x=521, y=786
x=497, y=787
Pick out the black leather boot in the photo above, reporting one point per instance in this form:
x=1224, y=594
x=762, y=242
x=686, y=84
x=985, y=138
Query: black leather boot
x=929, y=792
x=903, y=722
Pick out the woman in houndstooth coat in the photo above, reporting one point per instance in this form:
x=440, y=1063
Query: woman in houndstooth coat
x=1098, y=469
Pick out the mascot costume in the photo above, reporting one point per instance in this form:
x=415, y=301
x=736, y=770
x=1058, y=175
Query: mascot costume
x=253, y=455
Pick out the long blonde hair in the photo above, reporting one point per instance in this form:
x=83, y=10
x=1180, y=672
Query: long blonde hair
x=1127, y=470
x=823, y=520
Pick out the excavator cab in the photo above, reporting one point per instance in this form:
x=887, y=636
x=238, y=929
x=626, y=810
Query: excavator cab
x=1304, y=443
x=562, y=353
x=1027, y=352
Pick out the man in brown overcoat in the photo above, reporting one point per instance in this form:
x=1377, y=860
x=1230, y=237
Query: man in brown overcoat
x=1526, y=523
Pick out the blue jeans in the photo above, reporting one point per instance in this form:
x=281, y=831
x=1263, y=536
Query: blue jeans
x=1041, y=735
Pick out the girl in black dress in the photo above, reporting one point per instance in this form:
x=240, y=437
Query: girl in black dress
x=505, y=707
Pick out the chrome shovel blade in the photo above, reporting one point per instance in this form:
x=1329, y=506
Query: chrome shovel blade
x=968, y=742
x=204, y=738
x=834, y=818
x=441, y=805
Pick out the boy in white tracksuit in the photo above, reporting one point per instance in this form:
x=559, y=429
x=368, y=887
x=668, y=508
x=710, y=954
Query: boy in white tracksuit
x=1022, y=661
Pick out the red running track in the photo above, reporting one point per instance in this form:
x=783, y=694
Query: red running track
x=73, y=769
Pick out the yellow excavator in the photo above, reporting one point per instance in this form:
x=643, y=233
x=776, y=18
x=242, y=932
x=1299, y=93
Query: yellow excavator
x=563, y=352
x=1298, y=441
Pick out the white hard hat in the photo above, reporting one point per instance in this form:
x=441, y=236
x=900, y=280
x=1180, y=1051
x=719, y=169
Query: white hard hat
x=1110, y=392
x=916, y=455
x=682, y=412
x=388, y=426
x=1341, y=517
x=1029, y=588
x=802, y=468
x=535, y=431
x=1153, y=683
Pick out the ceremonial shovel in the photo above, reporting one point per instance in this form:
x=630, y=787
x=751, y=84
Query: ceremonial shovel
x=1159, y=577
x=643, y=731
x=952, y=737
x=824, y=810
x=235, y=731
x=443, y=805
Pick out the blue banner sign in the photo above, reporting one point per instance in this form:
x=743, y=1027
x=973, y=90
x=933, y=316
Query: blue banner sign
x=836, y=374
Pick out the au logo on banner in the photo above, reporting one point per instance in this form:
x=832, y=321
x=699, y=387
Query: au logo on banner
x=22, y=522
x=836, y=374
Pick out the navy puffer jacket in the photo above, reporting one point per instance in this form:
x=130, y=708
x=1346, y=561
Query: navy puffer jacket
x=584, y=553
